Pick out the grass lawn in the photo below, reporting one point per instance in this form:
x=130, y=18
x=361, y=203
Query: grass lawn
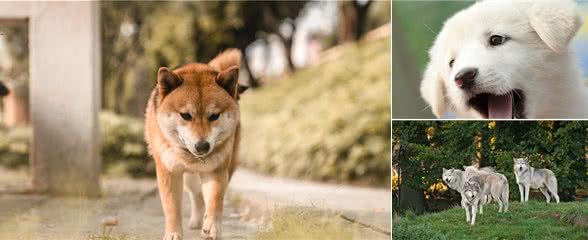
x=533, y=220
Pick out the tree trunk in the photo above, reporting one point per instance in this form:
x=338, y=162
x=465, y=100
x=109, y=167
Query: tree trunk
x=253, y=81
x=411, y=199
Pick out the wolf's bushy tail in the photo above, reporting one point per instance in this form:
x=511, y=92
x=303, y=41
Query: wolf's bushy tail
x=228, y=58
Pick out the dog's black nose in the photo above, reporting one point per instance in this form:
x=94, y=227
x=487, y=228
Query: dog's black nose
x=3, y=90
x=465, y=78
x=202, y=147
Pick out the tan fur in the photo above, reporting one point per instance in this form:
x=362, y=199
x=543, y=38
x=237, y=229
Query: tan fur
x=200, y=90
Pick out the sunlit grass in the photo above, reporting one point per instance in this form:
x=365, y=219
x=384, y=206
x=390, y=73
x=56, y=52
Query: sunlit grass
x=534, y=220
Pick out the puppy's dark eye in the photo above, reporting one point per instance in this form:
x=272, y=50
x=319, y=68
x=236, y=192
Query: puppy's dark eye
x=496, y=40
x=186, y=116
x=451, y=63
x=213, y=117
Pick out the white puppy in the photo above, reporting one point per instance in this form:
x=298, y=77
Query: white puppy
x=507, y=59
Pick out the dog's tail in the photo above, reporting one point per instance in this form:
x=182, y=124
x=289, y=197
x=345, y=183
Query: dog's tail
x=228, y=58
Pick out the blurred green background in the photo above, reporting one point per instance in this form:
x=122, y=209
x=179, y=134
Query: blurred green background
x=415, y=26
x=319, y=106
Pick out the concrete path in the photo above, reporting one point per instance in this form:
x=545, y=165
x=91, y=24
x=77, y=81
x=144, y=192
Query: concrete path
x=367, y=206
x=135, y=203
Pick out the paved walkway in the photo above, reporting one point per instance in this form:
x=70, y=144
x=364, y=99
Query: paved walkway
x=135, y=203
x=367, y=206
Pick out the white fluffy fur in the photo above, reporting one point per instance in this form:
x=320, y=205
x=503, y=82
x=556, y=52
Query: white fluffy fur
x=536, y=59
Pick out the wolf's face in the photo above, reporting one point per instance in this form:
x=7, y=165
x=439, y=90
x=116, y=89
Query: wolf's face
x=486, y=58
x=448, y=176
x=471, y=190
x=520, y=164
x=198, y=109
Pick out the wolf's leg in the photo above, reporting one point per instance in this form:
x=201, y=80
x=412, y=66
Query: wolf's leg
x=522, y=192
x=193, y=186
x=170, y=192
x=474, y=212
x=214, y=185
x=467, y=210
x=527, y=189
x=545, y=193
x=553, y=190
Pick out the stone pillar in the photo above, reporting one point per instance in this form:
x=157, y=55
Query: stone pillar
x=65, y=97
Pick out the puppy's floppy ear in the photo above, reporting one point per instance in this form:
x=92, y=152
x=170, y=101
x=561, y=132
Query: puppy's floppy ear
x=167, y=81
x=228, y=80
x=433, y=90
x=556, y=22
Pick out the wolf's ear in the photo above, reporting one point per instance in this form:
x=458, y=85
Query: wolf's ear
x=228, y=80
x=433, y=90
x=167, y=81
x=444, y=170
x=556, y=22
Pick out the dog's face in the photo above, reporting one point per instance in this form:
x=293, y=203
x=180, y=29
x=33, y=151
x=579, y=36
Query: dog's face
x=520, y=164
x=471, y=190
x=484, y=61
x=3, y=90
x=198, y=109
x=448, y=176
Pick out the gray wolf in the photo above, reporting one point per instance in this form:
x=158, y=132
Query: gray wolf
x=472, y=192
x=455, y=179
x=192, y=128
x=494, y=184
x=507, y=59
x=529, y=177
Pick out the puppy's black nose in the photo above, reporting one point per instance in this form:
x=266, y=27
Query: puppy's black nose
x=202, y=147
x=465, y=78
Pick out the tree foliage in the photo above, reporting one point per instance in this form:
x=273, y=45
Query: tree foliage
x=428, y=146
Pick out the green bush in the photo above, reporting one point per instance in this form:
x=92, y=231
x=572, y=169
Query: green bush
x=329, y=122
x=14, y=146
x=122, y=146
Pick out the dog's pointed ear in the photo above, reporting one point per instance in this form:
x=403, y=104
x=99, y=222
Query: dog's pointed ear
x=556, y=22
x=433, y=89
x=444, y=170
x=167, y=81
x=228, y=80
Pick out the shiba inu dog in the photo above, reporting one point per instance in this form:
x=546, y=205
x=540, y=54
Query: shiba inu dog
x=529, y=177
x=3, y=90
x=192, y=129
x=507, y=59
x=471, y=200
x=494, y=184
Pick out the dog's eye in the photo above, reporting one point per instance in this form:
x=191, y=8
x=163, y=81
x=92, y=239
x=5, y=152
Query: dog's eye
x=213, y=117
x=451, y=63
x=496, y=40
x=186, y=116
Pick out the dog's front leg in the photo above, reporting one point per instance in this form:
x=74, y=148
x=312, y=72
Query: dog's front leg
x=522, y=191
x=527, y=190
x=467, y=210
x=214, y=185
x=474, y=212
x=170, y=191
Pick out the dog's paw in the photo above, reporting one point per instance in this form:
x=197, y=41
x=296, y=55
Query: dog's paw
x=172, y=236
x=195, y=222
x=211, y=229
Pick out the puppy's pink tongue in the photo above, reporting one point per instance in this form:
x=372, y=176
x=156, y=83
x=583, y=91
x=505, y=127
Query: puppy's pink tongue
x=500, y=107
